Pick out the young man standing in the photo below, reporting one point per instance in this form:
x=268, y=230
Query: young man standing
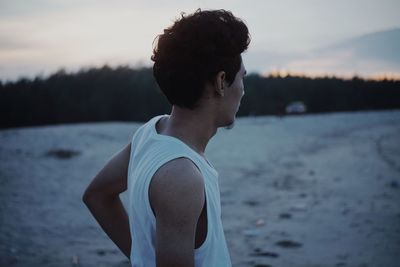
x=174, y=200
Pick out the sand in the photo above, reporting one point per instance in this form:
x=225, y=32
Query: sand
x=302, y=191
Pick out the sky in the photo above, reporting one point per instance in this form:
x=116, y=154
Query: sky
x=42, y=36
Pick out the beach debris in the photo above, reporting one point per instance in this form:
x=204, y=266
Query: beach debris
x=288, y=244
x=299, y=207
x=62, y=153
x=75, y=260
x=260, y=253
x=285, y=215
x=101, y=252
x=251, y=232
x=262, y=265
x=260, y=222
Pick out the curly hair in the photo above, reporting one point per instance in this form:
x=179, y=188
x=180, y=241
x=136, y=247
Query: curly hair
x=194, y=49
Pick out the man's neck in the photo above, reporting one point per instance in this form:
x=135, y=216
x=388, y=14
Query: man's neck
x=193, y=127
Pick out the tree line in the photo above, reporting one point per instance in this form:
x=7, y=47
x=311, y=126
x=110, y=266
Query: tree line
x=132, y=94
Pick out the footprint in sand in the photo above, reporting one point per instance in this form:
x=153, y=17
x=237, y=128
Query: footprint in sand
x=285, y=216
x=288, y=244
x=62, y=153
x=260, y=253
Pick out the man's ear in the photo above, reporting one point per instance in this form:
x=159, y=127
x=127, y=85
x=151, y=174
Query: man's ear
x=220, y=83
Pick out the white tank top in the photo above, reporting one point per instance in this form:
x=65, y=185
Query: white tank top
x=149, y=152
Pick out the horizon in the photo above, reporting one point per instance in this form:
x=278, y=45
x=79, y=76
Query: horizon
x=39, y=38
x=272, y=74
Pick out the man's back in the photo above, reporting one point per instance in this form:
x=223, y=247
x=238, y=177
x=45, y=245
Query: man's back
x=170, y=184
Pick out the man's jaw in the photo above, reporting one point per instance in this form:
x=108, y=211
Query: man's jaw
x=230, y=126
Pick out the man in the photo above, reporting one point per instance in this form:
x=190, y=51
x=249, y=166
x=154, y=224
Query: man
x=174, y=200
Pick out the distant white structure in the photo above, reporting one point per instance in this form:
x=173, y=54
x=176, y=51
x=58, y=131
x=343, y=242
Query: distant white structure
x=296, y=107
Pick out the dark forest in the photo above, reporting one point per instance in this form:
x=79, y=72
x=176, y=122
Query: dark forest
x=132, y=94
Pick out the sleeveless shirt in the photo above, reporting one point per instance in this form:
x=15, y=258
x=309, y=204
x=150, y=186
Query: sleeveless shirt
x=150, y=151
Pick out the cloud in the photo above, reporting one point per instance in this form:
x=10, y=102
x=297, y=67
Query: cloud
x=78, y=33
x=370, y=55
x=12, y=43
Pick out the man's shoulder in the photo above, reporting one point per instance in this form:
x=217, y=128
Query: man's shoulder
x=176, y=180
x=181, y=171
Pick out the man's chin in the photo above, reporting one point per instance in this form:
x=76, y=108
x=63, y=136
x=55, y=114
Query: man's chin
x=230, y=126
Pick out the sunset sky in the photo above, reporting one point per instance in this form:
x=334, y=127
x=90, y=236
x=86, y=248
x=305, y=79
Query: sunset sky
x=39, y=37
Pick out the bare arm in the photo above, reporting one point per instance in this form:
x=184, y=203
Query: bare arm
x=102, y=199
x=177, y=198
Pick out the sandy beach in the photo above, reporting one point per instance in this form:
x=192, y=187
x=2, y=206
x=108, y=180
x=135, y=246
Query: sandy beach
x=301, y=191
